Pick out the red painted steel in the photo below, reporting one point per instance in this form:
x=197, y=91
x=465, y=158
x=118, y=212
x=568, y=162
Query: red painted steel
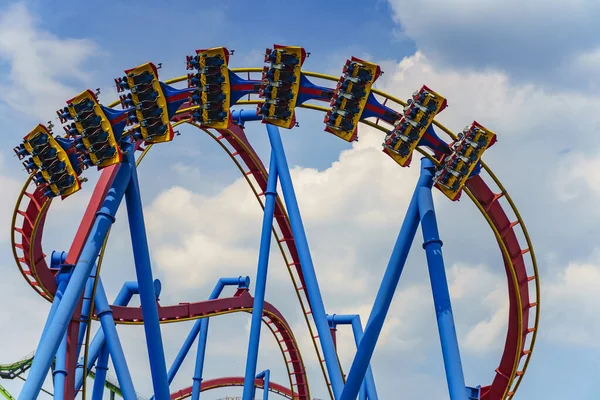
x=238, y=140
x=230, y=381
x=490, y=202
x=106, y=178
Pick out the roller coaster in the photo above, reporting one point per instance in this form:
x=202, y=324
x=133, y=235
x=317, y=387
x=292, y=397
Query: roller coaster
x=115, y=139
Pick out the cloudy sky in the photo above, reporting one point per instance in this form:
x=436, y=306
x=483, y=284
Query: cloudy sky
x=528, y=71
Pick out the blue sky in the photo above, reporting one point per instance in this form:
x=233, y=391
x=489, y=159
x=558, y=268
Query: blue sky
x=526, y=71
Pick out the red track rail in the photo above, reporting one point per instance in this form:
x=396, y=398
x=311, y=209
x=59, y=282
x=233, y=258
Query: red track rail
x=513, y=352
x=41, y=278
x=231, y=381
x=241, y=302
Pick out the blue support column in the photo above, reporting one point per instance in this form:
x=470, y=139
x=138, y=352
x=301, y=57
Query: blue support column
x=261, y=282
x=62, y=279
x=122, y=299
x=308, y=270
x=202, y=325
x=143, y=269
x=384, y=298
x=441, y=297
x=50, y=342
x=368, y=385
x=113, y=343
x=60, y=370
x=367, y=388
x=100, y=378
x=266, y=377
x=85, y=310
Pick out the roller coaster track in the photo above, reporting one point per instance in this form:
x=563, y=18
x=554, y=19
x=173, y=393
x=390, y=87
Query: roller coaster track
x=210, y=384
x=30, y=213
x=5, y=393
x=17, y=369
x=11, y=371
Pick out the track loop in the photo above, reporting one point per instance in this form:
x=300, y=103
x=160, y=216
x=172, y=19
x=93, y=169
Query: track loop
x=30, y=213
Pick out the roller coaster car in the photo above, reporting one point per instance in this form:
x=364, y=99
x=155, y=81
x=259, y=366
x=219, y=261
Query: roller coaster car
x=456, y=168
x=350, y=98
x=213, y=88
x=91, y=122
x=53, y=162
x=408, y=130
x=146, y=92
x=280, y=85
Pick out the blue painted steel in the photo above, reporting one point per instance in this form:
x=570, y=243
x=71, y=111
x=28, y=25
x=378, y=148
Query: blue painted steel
x=308, y=270
x=50, y=342
x=241, y=116
x=62, y=280
x=56, y=260
x=126, y=293
x=441, y=297
x=384, y=297
x=261, y=281
x=243, y=283
x=113, y=343
x=100, y=378
x=93, y=354
x=266, y=377
x=143, y=269
x=367, y=388
x=196, y=328
x=123, y=298
x=85, y=310
x=60, y=370
x=474, y=393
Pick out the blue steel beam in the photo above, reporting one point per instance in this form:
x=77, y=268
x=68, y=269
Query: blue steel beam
x=60, y=365
x=241, y=116
x=203, y=323
x=62, y=279
x=242, y=283
x=123, y=298
x=266, y=377
x=100, y=378
x=308, y=270
x=368, y=386
x=60, y=370
x=113, y=343
x=261, y=282
x=143, y=269
x=384, y=296
x=474, y=393
x=50, y=341
x=86, y=309
x=439, y=286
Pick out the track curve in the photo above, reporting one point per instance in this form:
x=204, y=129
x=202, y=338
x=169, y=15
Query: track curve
x=32, y=207
x=231, y=381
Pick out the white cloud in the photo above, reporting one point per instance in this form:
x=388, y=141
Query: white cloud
x=510, y=36
x=577, y=177
x=40, y=63
x=9, y=186
x=571, y=304
x=352, y=210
